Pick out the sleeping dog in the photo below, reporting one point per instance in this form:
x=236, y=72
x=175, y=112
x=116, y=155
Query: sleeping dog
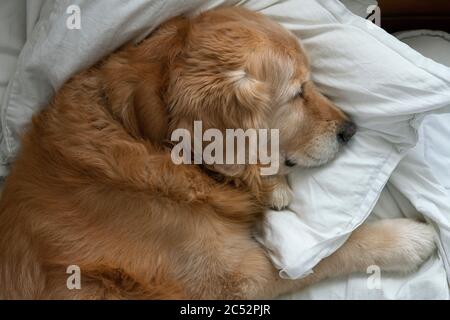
x=95, y=186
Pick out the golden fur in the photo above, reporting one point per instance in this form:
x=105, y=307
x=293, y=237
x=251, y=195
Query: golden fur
x=94, y=184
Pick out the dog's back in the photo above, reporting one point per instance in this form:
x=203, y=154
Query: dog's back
x=85, y=192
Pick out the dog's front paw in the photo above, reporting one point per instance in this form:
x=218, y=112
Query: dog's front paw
x=282, y=196
x=411, y=244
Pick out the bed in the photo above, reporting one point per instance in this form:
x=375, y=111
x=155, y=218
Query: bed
x=405, y=174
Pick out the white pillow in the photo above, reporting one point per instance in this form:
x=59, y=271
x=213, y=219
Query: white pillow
x=383, y=84
x=387, y=88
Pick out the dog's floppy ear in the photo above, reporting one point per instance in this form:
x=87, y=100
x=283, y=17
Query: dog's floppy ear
x=252, y=103
x=135, y=80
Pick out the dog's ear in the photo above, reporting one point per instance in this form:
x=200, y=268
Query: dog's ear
x=135, y=80
x=252, y=103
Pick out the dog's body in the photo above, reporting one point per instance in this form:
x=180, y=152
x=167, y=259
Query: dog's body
x=94, y=184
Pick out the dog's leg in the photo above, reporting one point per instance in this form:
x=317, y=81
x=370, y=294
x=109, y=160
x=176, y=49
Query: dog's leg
x=399, y=245
x=282, y=194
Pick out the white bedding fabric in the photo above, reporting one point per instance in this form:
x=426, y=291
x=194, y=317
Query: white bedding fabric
x=407, y=195
x=387, y=88
x=12, y=38
x=433, y=44
x=383, y=84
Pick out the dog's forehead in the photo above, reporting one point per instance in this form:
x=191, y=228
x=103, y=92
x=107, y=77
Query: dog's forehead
x=279, y=65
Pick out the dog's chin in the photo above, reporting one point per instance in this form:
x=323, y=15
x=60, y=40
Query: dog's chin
x=319, y=162
x=313, y=162
x=318, y=158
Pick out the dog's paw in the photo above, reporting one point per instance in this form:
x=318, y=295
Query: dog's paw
x=410, y=243
x=282, y=196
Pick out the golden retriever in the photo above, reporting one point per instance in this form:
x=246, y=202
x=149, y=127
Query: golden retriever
x=95, y=186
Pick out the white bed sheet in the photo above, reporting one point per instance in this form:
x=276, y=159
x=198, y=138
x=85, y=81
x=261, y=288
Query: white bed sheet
x=17, y=20
x=430, y=281
x=12, y=38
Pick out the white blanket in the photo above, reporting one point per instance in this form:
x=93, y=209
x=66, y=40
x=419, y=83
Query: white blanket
x=418, y=187
x=386, y=87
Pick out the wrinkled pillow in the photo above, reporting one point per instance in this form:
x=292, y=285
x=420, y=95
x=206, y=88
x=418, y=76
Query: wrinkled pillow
x=387, y=88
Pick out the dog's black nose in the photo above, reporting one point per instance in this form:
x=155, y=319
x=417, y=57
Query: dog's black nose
x=346, y=132
x=290, y=163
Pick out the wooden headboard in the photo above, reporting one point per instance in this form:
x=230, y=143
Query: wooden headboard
x=398, y=15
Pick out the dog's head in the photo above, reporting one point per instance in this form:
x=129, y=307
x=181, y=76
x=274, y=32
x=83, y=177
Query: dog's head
x=238, y=69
